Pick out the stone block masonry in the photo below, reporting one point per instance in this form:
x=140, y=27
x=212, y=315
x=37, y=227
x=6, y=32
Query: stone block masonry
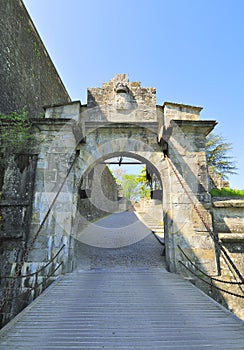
x=98, y=199
x=120, y=119
x=120, y=100
x=228, y=221
x=27, y=74
x=28, y=79
x=15, y=217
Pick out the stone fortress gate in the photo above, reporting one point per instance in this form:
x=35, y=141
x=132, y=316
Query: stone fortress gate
x=122, y=119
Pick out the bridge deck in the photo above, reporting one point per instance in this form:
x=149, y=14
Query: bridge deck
x=124, y=299
x=125, y=308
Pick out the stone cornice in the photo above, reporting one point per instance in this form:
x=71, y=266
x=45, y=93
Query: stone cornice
x=62, y=104
x=182, y=105
x=227, y=202
x=92, y=125
x=194, y=126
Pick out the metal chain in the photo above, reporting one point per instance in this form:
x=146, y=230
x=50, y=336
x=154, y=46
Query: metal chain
x=210, y=231
x=39, y=284
x=210, y=283
x=205, y=274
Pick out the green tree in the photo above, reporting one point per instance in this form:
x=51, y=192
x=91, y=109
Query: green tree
x=130, y=187
x=218, y=158
x=134, y=186
x=144, y=186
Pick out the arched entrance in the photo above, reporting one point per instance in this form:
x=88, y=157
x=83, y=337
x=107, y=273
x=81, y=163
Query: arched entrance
x=127, y=225
x=122, y=118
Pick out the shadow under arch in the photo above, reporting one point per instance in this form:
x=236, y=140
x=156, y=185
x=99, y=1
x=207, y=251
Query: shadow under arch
x=108, y=204
x=153, y=160
x=124, y=139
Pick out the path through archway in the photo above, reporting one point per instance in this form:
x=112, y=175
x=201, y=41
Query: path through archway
x=122, y=237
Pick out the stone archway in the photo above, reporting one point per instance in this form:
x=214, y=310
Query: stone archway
x=123, y=118
x=114, y=143
x=95, y=203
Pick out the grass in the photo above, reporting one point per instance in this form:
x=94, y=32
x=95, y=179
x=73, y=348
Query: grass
x=226, y=192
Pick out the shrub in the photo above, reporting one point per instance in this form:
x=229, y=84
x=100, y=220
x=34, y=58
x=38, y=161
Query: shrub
x=226, y=192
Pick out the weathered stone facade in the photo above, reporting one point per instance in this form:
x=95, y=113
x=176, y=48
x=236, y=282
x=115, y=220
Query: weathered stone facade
x=15, y=217
x=216, y=181
x=228, y=221
x=72, y=184
x=122, y=118
x=98, y=194
x=28, y=77
x=121, y=100
x=30, y=184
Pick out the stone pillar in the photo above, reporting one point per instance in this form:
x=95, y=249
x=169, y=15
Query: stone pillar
x=57, y=153
x=188, y=196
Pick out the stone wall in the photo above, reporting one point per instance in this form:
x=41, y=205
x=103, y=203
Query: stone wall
x=98, y=195
x=180, y=112
x=216, y=180
x=228, y=221
x=27, y=74
x=15, y=217
x=28, y=79
x=30, y=184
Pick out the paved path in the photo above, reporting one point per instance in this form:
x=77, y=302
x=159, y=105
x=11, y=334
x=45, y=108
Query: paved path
x=118, y=241
x=124, y=305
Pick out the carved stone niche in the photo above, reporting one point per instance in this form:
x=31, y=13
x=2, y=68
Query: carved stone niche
x=122, y=97
x=121, y=88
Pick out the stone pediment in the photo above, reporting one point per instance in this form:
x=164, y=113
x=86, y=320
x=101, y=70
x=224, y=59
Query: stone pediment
x=120, y=100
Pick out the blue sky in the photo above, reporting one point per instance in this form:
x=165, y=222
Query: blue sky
x=192, y=51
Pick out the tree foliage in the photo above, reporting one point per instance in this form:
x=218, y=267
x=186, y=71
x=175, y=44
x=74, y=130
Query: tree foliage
x=129, y=185
x=144, y=186
x=218, y=158
x=134, y=186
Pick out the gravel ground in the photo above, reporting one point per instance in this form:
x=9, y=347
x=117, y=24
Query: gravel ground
x=117, y=241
